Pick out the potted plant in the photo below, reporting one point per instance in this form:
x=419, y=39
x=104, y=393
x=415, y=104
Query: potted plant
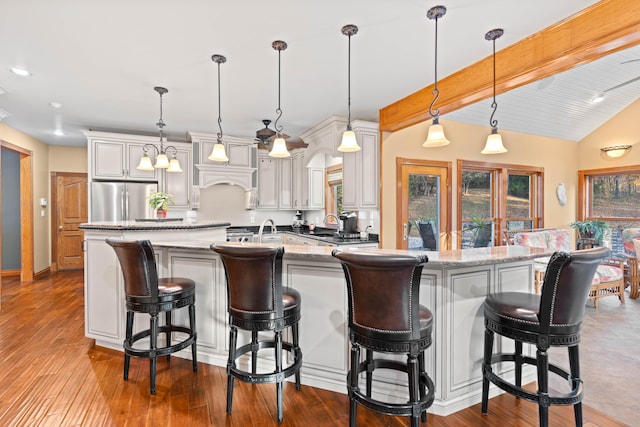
x=482, y=230
x=591, y=229
x=160, y=201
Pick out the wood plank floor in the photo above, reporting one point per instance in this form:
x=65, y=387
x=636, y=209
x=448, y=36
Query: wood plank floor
x=51, y=375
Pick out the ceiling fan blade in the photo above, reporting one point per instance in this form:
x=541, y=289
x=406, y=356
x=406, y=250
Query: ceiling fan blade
x=622, y=84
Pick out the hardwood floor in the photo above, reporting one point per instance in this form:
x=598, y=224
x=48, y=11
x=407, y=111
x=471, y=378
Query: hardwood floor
x=51, y=375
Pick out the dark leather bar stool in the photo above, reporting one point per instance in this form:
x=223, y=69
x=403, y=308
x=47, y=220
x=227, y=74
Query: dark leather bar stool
x=146, y=293
x=551, y=319
x=256, y=301
x=385, y=316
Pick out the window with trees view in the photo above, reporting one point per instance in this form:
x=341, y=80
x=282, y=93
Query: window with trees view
x=494, y=197
x=611, y=195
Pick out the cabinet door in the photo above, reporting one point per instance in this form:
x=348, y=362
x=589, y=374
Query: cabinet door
x=240, y=154
x=108, y=160
x=104, y=301
x=316, y=188
x=297, y=160
x=369, y=176
x=267, y=183
x=350, y=179
x=134, y=154
x=179, y=183
x=285, y=196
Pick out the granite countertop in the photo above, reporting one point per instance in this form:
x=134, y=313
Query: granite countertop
x=153, y=225
x=452, y=258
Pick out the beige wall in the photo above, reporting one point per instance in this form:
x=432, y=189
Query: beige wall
x=559, y=158
x=40, y=166
x=67, y=159
x=622, y=129
x=45, y=159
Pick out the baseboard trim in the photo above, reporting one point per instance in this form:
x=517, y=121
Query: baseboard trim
x=42, y=274
x=10, y=273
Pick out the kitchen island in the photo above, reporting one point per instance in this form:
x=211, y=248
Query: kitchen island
x=453, y=285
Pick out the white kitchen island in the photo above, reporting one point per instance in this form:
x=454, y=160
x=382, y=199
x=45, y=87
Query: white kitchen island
x=453, y=285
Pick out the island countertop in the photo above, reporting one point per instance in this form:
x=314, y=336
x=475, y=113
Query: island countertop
x=457, y=258
x=149, y=225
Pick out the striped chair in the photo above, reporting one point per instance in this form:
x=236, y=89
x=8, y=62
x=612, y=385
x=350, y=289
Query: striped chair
x=632, y=273
x=609, y=277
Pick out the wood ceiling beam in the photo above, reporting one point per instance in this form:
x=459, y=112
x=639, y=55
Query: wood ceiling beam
x=603, y=28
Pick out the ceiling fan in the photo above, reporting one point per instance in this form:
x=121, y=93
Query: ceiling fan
x=266, y=136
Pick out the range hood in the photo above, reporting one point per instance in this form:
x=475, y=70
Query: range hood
x=208, y=175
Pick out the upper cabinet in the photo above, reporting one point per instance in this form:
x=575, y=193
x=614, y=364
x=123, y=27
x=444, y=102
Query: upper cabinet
x=239, y=170
x=115, y=156
x=360, y=169
x=361, y=174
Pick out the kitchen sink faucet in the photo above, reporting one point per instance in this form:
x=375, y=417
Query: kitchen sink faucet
x=337, y=221
x=273, y=228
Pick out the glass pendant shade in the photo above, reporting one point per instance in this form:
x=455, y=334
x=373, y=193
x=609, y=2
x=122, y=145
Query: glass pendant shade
x=174, y=166
x=494, y=144
x=218, y=154
x=145, y=164
x=162, y=162
x=279, y=148
x=436, y=137
x=349, y=142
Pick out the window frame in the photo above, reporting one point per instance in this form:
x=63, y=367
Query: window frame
x=584, y=191
x=500, y=173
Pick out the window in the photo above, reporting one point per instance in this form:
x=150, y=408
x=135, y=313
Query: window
x=333, y=190
x=494, y=197
x=612, y=195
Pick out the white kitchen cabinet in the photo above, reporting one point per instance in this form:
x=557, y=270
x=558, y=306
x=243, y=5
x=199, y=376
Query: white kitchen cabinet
x=360, y=169
x=267, y=182
x=240, y=151
x=116, y=158
x=300, y=182
x=285, y=183
x=179, y=183
x=316, y=188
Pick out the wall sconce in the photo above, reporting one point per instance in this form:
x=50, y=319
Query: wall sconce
x=162, y=160
x=616, y=151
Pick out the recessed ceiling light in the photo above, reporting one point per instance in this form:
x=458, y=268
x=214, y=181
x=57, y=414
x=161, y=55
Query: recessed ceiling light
x=598, y=97
x=58, y=132
x=20, y=72
x=54, y=104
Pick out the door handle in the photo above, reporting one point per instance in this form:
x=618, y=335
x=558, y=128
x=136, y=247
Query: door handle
x=404, y=231
x=60, y=228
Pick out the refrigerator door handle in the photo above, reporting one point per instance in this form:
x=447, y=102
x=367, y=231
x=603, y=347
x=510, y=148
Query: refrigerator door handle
x=126, y=205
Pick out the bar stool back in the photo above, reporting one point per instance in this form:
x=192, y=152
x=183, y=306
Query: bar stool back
x=256, y=301
x=145, y=293
x=385, y=316
x=551, y=319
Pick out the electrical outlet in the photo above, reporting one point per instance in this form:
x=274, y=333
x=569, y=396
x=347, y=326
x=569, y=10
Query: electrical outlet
x=252, y=219
x=371, y=223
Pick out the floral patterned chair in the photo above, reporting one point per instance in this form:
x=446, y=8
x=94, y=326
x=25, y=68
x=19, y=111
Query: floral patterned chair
x=632, y=275
x=609, y=277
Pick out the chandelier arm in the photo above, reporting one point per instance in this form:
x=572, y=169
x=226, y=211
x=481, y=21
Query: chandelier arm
x=145, y=149
x=172, y=148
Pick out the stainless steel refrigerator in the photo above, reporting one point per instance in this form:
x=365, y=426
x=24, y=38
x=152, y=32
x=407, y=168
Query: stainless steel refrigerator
x=121, y=201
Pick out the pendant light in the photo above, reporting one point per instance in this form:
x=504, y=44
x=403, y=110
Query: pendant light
x=494, y=141
x=279, y=145
x=349, y=142
x=436, y=137
x=162, y=160
x=218, y=154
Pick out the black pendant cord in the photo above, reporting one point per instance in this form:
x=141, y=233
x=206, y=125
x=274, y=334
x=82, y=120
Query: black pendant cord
x=494, y=122
x=161, y=123
x=219, y=108
x=278, y=110
x=349, y=85
x=436, y=93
